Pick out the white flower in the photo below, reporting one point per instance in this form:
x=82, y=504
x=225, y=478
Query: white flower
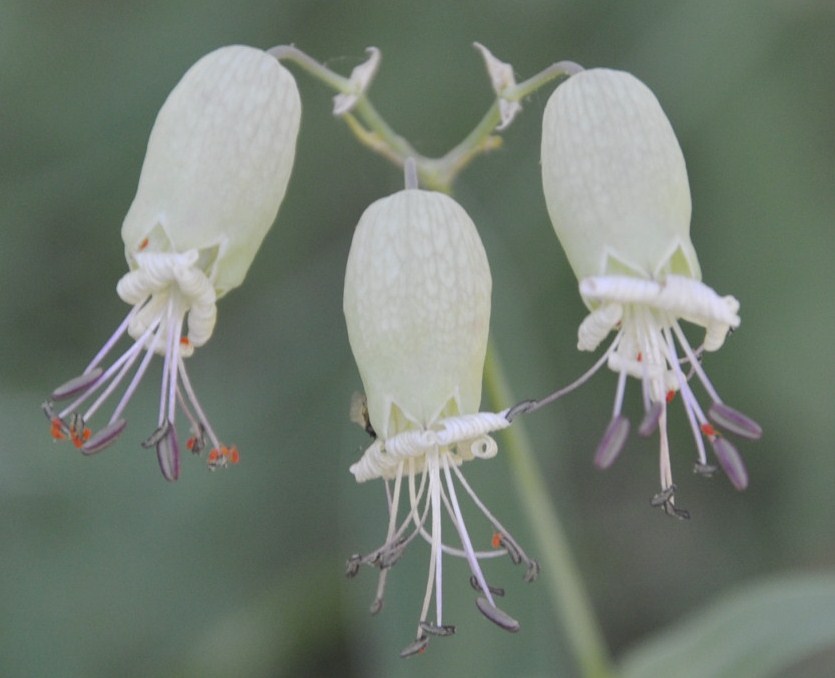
x=216, y=169
x=417, y=307
x=617, y=192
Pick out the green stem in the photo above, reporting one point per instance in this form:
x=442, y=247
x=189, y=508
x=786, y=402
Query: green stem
x=374, y=132
x=565, y=585
x=529, y=86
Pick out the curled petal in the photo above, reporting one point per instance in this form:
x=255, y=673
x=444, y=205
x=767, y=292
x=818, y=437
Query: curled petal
x=682, y=297
x=597, y=325
x=382, y=456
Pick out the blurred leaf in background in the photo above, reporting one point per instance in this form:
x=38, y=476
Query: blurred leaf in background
x=109, y=570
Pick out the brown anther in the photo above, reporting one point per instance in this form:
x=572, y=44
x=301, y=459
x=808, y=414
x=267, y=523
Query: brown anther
x=495, y=590
x=417, y=647
x=497, y=616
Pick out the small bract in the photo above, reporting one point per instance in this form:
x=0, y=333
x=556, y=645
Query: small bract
x=417, y=307
x=216, y=169
x=618, y=196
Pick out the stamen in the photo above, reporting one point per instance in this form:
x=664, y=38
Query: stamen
x=377, y=604
x=666, y=500
x=663, y=496
x=104, y=437
x=510, y=546
x=472, y=560
x=78, y=430
x=495, y=590
x=497, y=616
x=59, y=429
x=159, y=433
x=168, y=455
x=531, y=564
x=196, y=442
x=352, y=565
x=731, y=462
x=734, y=421
x=222, y=456
x=649, y=424
x=527, y=406
x=705, y=470
x=417, y=647
x=532, y=573
x=77, y=385
x=437, y=630
x=612, y=443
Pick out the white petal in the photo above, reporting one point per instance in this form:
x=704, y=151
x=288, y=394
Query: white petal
x=614, y=178
x=218, y=162
x=417, y=306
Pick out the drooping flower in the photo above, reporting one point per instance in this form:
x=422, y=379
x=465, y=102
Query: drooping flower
x=417, y=307
x=618, y=196
x=215, y=172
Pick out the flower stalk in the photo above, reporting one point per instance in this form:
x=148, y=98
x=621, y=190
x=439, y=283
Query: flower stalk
x=373, y=132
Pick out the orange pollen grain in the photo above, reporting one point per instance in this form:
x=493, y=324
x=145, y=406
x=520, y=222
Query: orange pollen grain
x=185, y=341
x=191, y=442
x=57, y=429
x=214, y=455
x=234, y=455
x=640, y=356
x=143, y=244
x=708, y=430
x=496, y=542
x=670, y=395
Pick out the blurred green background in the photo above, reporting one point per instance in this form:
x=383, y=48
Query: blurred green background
x=108, y=570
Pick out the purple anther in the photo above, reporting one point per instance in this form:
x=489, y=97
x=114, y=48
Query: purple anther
x=649, y=424
x=498, y=617
x=104, y=437
x=734, y=421
x=731, y=462
x=77, y=385
x=612, y=443
x=168, y=455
